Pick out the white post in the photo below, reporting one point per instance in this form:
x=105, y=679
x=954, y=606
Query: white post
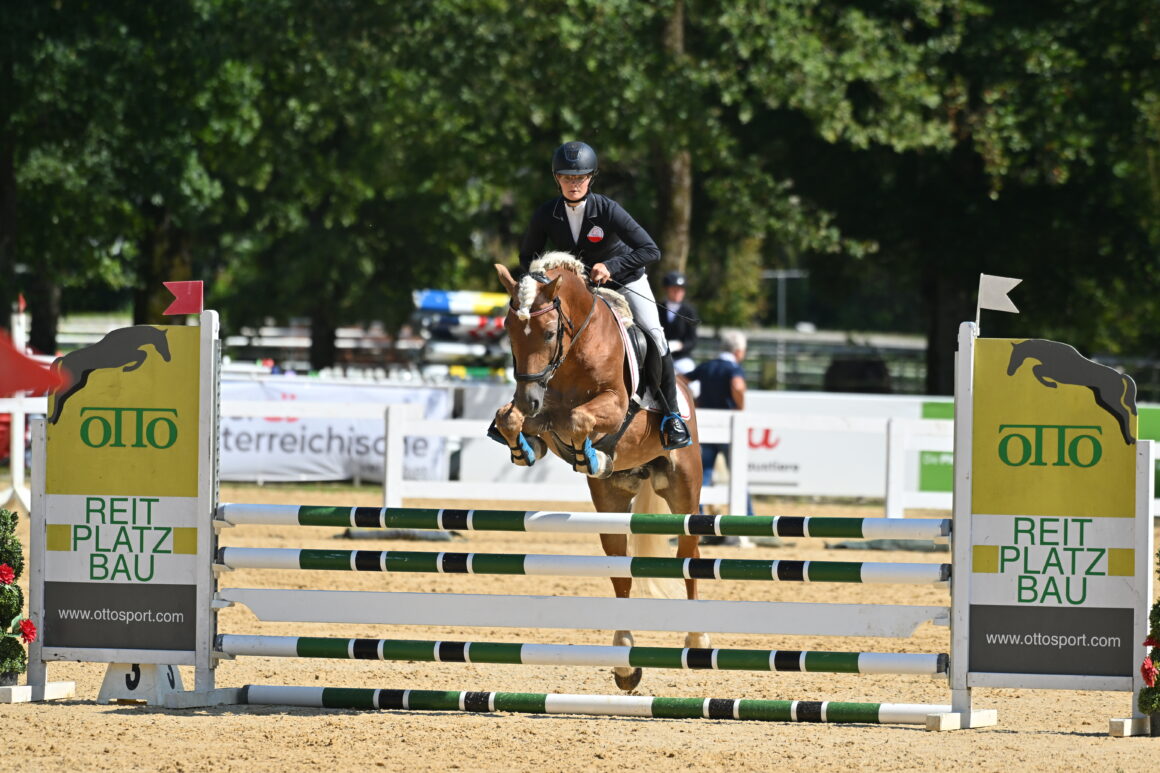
x=895, y=470
x=961, y=531
x=397, y=420
x=37, y=668
x=738, y=463
x=19, y=330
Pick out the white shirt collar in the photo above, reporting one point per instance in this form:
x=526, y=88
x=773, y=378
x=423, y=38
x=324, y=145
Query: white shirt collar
x=728, y=357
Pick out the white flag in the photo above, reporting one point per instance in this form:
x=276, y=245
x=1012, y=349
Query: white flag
x=993, y=293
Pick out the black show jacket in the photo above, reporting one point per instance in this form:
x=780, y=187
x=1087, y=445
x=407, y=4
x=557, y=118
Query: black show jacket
x=608, y=235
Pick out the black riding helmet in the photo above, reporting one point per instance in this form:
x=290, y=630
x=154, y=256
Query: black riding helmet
x=574, y=158
x=675, y=279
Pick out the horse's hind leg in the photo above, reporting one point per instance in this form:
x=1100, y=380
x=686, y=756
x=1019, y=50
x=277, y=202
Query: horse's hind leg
x=611, y=498
x=679, y=483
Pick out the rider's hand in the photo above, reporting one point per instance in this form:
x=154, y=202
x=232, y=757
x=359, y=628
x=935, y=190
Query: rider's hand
x=599, y=274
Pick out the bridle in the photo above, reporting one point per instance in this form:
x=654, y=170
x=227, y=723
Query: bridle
x=562, y=323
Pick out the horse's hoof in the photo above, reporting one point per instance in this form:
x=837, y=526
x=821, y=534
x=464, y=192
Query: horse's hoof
x=628, y=683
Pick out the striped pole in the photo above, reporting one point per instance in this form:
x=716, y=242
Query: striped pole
x=583, y=655
x=583, y=566
x=586, y=523
x=601, y=705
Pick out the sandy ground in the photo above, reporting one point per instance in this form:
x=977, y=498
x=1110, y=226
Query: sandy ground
x=1041, y=730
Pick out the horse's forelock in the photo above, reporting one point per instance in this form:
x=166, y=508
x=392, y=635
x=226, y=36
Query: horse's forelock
x=526, y=296
x=528, y=287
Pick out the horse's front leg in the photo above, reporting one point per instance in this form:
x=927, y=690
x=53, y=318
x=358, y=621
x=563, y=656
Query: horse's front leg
x=604, y=414
x=509, y=426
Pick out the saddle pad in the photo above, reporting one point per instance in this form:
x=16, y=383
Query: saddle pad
x=650, y=403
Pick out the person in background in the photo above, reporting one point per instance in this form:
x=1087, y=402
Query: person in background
x=615, y=248
x=679, y=320
x=722, y=382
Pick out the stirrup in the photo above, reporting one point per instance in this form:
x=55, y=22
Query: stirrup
x=674, y=433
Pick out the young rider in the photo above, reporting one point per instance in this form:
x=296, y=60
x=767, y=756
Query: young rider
x=613, y=246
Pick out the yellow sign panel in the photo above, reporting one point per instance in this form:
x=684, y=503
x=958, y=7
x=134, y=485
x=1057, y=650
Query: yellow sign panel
x=1054, y=433
x=127, y=423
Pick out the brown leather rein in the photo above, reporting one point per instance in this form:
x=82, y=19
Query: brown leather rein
x=545, y=375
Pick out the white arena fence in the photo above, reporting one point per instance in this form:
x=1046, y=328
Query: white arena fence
x=905, y=440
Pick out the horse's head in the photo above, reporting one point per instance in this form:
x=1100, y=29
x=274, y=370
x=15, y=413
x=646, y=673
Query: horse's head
x=543, y=319
x=161, y=343
x=1017, y=357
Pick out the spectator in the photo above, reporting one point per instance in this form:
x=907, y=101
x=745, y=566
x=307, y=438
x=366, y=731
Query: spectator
x=722, y=383
x=679, y=321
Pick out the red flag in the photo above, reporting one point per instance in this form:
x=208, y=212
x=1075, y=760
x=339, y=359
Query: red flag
x=19, y=373
x=188, y=295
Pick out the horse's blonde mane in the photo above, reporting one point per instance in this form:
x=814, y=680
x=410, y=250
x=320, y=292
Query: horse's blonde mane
x=550, y=260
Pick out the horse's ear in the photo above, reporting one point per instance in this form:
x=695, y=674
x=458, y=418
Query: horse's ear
x=506, y=278
x=552, y=288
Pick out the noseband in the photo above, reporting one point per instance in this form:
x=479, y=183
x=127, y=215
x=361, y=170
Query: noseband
x=562, y=322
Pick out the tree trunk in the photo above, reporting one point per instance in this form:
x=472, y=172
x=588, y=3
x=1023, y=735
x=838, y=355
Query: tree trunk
x=675, y=167
x=948, y=305
x=165, y=257
x=7, y=200
x=323, y=330
x=43, y=298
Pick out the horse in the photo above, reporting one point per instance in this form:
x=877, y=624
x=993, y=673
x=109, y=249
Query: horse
x=573, y=397
x=121, y=348
x=1062, y=364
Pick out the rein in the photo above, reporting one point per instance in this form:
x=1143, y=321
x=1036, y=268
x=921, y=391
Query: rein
x=545, y=375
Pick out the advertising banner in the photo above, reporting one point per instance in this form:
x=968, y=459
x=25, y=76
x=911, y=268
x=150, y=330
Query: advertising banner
x=282, y=447
x=1054, y=566
x=121, y=493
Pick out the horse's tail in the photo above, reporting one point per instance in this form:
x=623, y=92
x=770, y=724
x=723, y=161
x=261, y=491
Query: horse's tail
x=647, y=501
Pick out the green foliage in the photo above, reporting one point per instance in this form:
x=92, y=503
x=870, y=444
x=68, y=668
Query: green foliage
x=324, y=165
x=13, y=659
x=8, y=522
x=1149, y=700
x=11, y=552
x=11, y=605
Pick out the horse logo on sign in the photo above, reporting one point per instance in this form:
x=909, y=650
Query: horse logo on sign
x=1062, y=364
x=121, y=348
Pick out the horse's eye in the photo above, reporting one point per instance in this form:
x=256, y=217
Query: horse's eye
x=549, y=335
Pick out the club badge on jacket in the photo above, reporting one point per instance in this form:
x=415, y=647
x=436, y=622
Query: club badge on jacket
x=596, y=234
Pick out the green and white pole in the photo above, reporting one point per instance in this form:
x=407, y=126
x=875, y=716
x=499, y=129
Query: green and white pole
x=546, y=521
x=583, y=566
x=600, y=705
x=234, y=645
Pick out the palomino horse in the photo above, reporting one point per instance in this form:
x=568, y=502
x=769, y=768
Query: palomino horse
x=573, y=397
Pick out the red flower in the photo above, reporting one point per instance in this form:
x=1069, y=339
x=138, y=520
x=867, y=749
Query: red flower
x=1149, y=642
x=7, y=574
x=1149, y=671
x=28, y=631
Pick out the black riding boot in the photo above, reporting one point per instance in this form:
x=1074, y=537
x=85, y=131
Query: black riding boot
x=674, y=432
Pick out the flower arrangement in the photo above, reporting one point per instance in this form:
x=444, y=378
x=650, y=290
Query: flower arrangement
x=15, y=630
x=1149, y=702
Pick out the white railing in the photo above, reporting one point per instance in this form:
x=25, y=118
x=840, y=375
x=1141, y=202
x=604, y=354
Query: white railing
x=904, y=438
x=406, y=420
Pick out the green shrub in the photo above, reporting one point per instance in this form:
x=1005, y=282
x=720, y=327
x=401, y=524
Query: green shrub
x=11, y=554
x=11, y=604
x=13, y=659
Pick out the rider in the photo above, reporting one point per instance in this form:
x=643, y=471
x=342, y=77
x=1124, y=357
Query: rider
x=613, y=246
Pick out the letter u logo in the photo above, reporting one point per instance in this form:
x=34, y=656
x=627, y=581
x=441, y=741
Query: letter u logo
x=767, y=440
